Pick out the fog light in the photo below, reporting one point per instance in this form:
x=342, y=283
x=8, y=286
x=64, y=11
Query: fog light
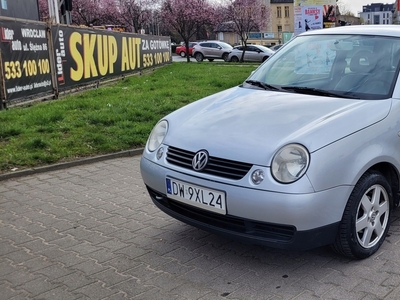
x=257, y=176
x=160, y=152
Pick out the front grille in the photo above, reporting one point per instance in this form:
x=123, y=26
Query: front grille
x=216, y=166
x=259, y=231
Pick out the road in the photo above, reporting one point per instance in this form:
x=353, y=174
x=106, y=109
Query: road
x=92, y=232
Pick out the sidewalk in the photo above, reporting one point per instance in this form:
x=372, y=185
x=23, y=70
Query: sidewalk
x=88, y=230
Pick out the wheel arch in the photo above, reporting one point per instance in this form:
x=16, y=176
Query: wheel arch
x=392, y=176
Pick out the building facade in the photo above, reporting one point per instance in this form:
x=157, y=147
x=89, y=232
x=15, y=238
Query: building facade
x=377, y=13
x=281, y=19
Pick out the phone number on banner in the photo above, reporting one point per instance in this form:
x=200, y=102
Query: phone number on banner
x=27, y=68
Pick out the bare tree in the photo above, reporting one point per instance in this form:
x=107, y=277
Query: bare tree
x=137, y=13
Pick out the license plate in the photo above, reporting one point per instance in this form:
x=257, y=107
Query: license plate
x=198, y=196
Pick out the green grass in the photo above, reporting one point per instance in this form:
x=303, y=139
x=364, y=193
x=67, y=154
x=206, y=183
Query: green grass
x=108, y=119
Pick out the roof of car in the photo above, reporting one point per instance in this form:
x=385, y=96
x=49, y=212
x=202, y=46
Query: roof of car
x=382, y=30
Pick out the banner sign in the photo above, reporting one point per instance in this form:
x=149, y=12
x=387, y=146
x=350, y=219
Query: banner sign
x=313, y=14
x=85, y=55
x=25, y=57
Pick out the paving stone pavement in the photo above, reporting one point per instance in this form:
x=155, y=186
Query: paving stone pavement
x=92, y=232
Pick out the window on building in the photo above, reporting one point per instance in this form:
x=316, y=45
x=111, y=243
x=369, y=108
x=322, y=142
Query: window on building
x=287, y=12
x=279, y=12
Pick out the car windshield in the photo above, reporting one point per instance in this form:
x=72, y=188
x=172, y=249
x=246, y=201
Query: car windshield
x=348, y=66
x=224, y=45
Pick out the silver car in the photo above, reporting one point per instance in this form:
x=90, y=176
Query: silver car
x=253, y=53
x=304, y=153
x=211, y=50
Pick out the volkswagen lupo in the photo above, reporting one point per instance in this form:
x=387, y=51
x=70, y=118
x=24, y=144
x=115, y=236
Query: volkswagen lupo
x=304, y=153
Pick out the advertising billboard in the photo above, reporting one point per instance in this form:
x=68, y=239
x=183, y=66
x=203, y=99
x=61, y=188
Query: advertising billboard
x=314, y=14
x=25, y=57
x=85, y=55
x=21, y=9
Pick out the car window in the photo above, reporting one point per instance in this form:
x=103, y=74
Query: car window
x=205, y=44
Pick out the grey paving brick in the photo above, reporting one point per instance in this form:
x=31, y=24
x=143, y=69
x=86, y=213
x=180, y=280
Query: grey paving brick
x=157, y=294
x=19, y=277
x=58, y=293
x=38, y=286
x=83, y=248
x=95, y=291
x=110, y=277
x=341, y=294
x=7, y=267
x=36, y=263
x=54, y=271
x=100, y=255
x=373, y=288
x=7, y=292
x=131, y=288
x=18, y=256
x=122, y=263
x=89, y=267
x=74, y=281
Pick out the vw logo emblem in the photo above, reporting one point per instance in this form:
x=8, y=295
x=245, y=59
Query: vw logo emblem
x=200, y=160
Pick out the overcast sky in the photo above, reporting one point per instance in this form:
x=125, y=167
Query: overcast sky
x=355, y=6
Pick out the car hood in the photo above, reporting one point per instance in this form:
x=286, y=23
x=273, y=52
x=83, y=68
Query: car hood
x=250, y=125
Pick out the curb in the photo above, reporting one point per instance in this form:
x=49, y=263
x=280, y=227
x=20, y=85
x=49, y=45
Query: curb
x=70, y=164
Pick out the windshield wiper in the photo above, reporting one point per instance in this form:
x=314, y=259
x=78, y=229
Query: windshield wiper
x=318, y=92
x=263, y=85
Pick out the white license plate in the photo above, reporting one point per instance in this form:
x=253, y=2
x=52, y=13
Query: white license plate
x=199, y=196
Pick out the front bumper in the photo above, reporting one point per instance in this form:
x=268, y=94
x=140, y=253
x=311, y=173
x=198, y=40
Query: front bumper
x=275, y=219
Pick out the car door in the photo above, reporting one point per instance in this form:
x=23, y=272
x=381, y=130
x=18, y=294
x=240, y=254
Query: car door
x=215, y=51
x=252, y=54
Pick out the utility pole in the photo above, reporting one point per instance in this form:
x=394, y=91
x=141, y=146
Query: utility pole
x=65, y=6
x=53, y=10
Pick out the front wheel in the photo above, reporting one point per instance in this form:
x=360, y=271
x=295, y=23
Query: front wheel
x=225, y=56
x=234, y=59
x=183, y=54
x=365, y=221
x=198, y=56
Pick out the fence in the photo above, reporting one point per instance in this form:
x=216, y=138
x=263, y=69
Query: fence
x=42, y=58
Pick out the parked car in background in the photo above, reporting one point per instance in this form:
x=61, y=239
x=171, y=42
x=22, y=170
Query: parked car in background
x=181, y=50
x=275, y=47
x=253, y=53
x=211, y=50
x=304, y=153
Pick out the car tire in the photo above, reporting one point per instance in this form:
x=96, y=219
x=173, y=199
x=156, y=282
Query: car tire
x=211, y=59
x=234, y=59
x=265, y=58
x=182, y=54
x=225, y=56
x=366, y=218
x=198, y=56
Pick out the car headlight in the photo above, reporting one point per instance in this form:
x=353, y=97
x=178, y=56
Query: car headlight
x=157, y=135
x=290, y=163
